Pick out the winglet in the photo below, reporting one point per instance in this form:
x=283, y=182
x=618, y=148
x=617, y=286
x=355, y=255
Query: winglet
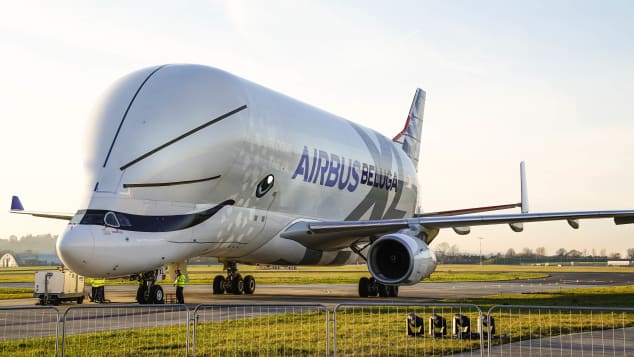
x=16, y=205
x=524, y=189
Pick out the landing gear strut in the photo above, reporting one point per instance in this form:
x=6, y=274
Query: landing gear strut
x=233, y=283
x=148, y=292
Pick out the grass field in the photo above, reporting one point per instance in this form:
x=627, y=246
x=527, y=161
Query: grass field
x=614, y=296
x=350, y=274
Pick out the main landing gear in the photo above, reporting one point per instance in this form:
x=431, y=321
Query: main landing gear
x=233, y=283
x=371, y=287
x=148, y=292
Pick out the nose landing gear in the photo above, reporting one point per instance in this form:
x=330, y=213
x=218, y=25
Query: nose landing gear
x=233, y=283
x=148, y=291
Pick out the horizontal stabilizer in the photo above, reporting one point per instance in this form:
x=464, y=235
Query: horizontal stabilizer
x=16, y=207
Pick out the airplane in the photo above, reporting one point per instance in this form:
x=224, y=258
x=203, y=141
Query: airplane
x=193, y=161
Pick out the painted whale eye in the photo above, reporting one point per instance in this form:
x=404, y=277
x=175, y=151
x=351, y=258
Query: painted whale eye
x=264, y=186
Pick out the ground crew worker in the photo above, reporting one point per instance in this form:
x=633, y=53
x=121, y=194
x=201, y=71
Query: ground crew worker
x=98, y=293
x=180, y=284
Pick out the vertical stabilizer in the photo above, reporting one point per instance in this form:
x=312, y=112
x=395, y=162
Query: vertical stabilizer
x=409, y=137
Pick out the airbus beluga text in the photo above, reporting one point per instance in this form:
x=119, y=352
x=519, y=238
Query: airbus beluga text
x=193, y=161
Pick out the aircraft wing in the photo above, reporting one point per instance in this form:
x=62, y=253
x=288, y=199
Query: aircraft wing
x=16, y=207
x=341, y=234
x=469, y=210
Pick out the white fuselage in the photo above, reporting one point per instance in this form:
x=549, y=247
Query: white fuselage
x=177, y=140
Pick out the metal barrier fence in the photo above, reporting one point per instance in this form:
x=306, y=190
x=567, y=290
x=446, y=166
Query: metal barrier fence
x=560, y=330
x=129, y=330
x=29, y=331
x=406, y=329
x=359, y=329
x=261, y=330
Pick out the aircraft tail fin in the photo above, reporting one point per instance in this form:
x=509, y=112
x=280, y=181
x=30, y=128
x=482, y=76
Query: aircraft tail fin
x=409, y=137
x=16, y=205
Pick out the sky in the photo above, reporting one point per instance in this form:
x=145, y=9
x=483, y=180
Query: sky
x=548, y=82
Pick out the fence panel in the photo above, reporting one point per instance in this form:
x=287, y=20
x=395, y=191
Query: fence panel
x=261, y=330
x=29, y=331
x=126, y=330
x=406, y=329
x=561, y=331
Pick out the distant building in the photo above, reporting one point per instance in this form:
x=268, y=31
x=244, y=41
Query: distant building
x=619, y=262
x=12, y=260
x=8, y=261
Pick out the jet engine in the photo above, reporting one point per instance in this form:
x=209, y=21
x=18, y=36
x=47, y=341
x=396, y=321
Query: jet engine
x=400, y=259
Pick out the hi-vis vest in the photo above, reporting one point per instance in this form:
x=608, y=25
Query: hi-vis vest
x=180, y=281
x=96, y=283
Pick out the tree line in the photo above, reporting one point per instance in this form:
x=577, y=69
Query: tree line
x=445, y=249
x=36, y=244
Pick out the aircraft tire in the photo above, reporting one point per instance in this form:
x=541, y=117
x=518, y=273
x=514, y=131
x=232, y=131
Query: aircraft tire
x=249, y=284
x=237, y=285
x=373, y=289
x=142, y=295
x=156, y=295
x=364, y=287
x=219, y=285
x=383, y=290
x=393, y=291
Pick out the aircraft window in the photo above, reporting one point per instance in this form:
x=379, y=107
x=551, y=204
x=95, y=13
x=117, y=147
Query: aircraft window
x=110, y=219
x=93, y=217
x=264, y=186
x=77, y=218
x=141, y=223
x=123, y=220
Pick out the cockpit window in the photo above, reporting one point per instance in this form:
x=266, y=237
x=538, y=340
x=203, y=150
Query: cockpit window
x=111, y=220
x=93, y=217
x=123, y=220
x=77, y=217
x=141, y=223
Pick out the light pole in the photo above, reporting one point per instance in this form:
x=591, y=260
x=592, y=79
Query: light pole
x=480, y=238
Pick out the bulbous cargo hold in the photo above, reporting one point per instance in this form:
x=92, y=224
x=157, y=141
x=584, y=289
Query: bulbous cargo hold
x=189, y=160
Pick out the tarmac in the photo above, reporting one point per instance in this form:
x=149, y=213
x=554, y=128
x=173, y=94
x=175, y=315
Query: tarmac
x=333, y=294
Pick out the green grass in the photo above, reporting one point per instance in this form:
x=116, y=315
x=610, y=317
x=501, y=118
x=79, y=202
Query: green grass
x=534, y=268
x=15, y=293
x=614, y=296
x=454, y=276
x=349, y=274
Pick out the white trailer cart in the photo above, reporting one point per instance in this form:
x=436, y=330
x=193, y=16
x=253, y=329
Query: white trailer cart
x=55, y=286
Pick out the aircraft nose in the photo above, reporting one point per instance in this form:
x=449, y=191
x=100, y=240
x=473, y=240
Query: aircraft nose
x=76, y=248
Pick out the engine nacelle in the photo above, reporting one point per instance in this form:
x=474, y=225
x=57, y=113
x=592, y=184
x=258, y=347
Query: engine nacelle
x=400, y=259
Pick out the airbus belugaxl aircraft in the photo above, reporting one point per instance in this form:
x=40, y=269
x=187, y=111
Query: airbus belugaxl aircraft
x=194, y=161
